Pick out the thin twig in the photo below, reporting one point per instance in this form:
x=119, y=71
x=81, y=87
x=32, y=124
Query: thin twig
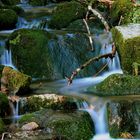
x=89, y=35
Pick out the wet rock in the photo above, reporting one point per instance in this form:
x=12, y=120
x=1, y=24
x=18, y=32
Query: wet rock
x=124, y=118
x=127, y=40
x=118, y=84
x=15, y=81
x=60, y=19
x=10, y=22
x=30, y=126
x=53, y=101
x=73, y=125
x=53, y=50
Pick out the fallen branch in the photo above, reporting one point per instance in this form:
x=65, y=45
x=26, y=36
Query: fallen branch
x=97, y=14
x=3, y=135
x=108, y=55
x=89, y=35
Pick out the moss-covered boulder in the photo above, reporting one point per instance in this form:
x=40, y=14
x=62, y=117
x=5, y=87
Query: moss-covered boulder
x=126, y=9
x=53, y=101
x=127, y=41
x=10, y=2
x=15, y=81
x=30, y=52
x=38, y=2
x=65, y=13
x=118, y=84
x=75, y=125
x=53, y=55
x=124, y=118
x=2, y=127
x=4, y=104
x=8, y=19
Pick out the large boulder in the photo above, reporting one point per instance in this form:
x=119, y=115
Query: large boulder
x=8, y=19
x=124, y=118
x=53, y=55
x=127, y=41
x=14, y=81
x=65, y=13
x=75, y=125
x=118, y=84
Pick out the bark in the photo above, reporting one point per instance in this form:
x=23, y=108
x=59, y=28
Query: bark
x=108, y=55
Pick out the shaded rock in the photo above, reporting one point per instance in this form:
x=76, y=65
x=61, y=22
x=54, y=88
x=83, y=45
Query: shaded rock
x=10, y=22
x=60, y=19
x=15, y=81
x=127, y=40
x=2, y=127
x=124, y=118
x=4, y=105
x=30, y=126
x=38, y=2
x=59, y=53
x=74, y=125
x=118, y=84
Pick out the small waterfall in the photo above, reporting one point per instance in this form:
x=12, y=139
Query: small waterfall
x=24, y=1
x=97, y=112
x=15, y=110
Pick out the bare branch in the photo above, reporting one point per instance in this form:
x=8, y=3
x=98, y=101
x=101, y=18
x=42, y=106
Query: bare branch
x=97, y=14
x=89, y=35
x=108, y=55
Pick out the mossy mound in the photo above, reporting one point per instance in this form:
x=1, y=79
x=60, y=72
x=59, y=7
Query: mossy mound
x=8, y=19
x=38, y=2
x=127, y=41
x=17, y=9
x=15, y=81
x=4, y=104
x=124, y=118
x=65, y=13
x=30, y=52
x=2, y=127
x=10, y=2
x=75, y=125
x=118, y=84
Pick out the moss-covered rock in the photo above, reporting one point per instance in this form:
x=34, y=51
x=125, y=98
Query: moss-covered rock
x=75, y=125
x=30, y=52
x=53, y=55
x=15, y=81
x=124, y=8
x=4, y=104
x=10, y=2
x=127, y=41
x=2, y=127
x=124, y=118
x=118, y=84
x=38, y=2
x=65, y=13
x=8, y=19
x=53, y=101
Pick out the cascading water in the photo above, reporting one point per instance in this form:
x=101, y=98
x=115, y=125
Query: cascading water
x=6, y=57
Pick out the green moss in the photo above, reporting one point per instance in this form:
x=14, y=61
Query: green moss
x=65, y=13
x=10, y=2
x=4, y=104
x=30, y=52
x=10, y=22
x=2, y=127
x=17, y=82
x=129, y=50
x=118, y=84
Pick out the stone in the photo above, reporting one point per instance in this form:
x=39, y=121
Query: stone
x=127, y=41
x=30, y=126
x=15, y=81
